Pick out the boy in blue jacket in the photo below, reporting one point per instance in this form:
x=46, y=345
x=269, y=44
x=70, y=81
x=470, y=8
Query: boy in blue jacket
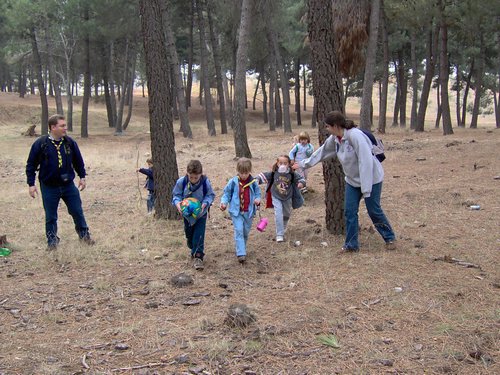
x=194, y=185
x=242, y=193
x=150, y=184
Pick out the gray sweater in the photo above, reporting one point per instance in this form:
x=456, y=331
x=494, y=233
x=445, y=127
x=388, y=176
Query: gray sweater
x=354, y=151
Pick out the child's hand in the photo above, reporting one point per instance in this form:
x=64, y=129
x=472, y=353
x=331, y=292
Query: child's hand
x=137, y=170
x=178, y=205
x=203, y=206
x=295, y=166
x=300, y=185
x=257, y=201
x=223, y=206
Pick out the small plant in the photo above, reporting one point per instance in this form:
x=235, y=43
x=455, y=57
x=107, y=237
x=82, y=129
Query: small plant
x=329, y=340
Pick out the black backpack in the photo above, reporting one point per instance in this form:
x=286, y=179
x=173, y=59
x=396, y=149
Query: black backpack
x=44, y=154
x=378, y=145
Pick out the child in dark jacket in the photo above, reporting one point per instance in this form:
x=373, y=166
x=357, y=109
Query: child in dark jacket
x=150, y=184
x=194, y=185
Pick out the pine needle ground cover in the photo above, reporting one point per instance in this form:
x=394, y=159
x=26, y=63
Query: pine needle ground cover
x=431, y=306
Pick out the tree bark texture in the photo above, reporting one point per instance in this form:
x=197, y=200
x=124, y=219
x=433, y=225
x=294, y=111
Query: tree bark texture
x=382, y=117
x=297, y=92
x=84, y=130
x=327, y=89
x=444, y=71
x=159, y=103
x=238, y=120
x=37, y=63
x=370, y=63
x=414, y=80
x=209, y=110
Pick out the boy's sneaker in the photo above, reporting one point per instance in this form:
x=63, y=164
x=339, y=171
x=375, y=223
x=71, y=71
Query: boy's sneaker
x=88, y=241
x=198, y=264
x=390, y=245
x=279, y=239
x=242, y=259
x=344, y=250
x=303, y=190
x=52, y=247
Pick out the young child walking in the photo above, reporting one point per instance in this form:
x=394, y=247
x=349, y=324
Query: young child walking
x=194, y=185
x=300, y=151
x=280, y=183
x=242, y=194
x=150, y=184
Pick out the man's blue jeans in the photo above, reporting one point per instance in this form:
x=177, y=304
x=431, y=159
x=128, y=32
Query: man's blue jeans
x=51, y=195
x=195, y=235
x=353, y=196
x=242, y=225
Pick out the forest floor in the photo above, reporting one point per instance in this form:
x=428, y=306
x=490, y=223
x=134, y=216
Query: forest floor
x=432, y=306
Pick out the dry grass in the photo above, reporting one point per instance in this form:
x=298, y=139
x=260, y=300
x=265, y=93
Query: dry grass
x=56, y=309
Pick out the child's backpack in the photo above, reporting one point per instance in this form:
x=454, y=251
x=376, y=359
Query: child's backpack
x=378, y=145
x=297, y=199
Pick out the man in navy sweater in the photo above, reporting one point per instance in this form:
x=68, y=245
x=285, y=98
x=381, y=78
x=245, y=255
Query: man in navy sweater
x=57, y=157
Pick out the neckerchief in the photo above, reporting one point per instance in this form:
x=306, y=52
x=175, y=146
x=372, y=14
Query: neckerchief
x=58, y=148
x=242, y=187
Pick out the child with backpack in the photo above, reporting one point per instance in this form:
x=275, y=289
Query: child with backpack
x=301, y=150
x=195, y=186
x=242, y=194
x=283, y=186
x=150, y=184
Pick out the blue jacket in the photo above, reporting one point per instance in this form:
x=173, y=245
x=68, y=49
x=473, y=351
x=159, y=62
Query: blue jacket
x=150, y=183
x=194, y=191
x=43, y=154
x=231, y=196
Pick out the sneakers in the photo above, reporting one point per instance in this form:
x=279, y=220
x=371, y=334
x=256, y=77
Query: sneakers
x=87, y=240
x=390, y=245
x=303, y=190
x=279, y=239
x=348, y=250
x=51, y=247
x=198, y=264
x=242, y=259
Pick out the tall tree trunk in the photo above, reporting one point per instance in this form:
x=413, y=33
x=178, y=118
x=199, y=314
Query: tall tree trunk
x=238, y=120
x=403, y=83
x=414, y=80
x=384, y=81
x=327, y=89
x=264, y=95
x=297, y=92
x=439, y=113
x=397, y=100
x=123, y=99
x=130, y=96
x=468, y=81
x=304, y=86
x=176, y=73
x=105, y=78
x=227, y=96
x=279, y=110
x=444, y=71
x=160, y=108
x=430, y=64
x=218, y=69
x=84, y=131
x=371, y=57
x=273, y=86
x=37, y=62
x=53, y=75
x=478, y=83
x=256, y=91
x=209, y=111
x=189, y=83
x=457, y=101
x=285, y=88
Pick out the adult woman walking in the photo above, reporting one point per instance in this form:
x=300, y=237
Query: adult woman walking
x=363, y=175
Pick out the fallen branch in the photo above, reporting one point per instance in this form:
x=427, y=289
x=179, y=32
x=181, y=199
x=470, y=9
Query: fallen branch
x=449, y=259
x=149, y=365
x=84, y=361
x=96, y=346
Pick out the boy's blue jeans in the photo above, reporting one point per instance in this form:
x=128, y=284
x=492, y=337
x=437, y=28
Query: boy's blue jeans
x=353, y=196
x=195, y=235
x=151, y=200
x=51, y=195
x=242, y=225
